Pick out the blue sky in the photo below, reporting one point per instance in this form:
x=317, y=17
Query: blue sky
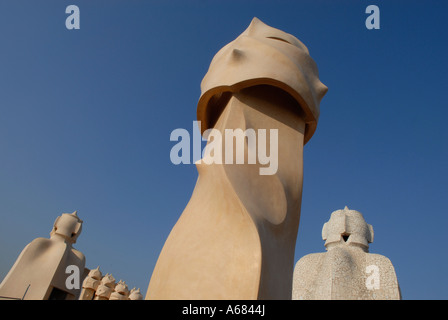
x=86, y=116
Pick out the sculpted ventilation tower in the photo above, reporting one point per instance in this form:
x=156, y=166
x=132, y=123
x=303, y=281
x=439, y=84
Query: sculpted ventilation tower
x=346, y=271
x=90, y=284
x=236, y=237
x=39, y=271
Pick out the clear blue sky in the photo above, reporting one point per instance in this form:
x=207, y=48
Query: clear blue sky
x=86, y=116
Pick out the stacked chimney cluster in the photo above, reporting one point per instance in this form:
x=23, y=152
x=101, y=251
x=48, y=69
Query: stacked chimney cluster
x=98, y=287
